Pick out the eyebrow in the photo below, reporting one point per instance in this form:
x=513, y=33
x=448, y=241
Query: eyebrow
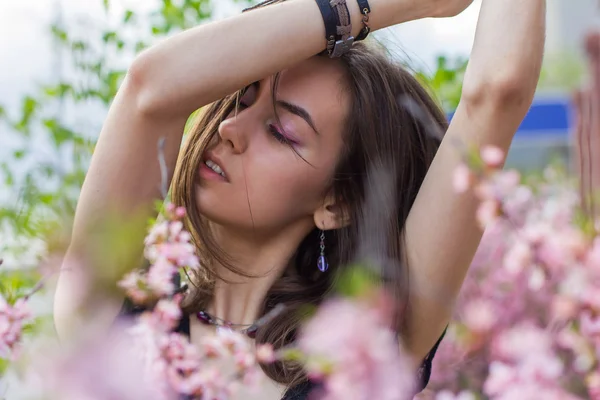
x=299, y=111
x=292, y=108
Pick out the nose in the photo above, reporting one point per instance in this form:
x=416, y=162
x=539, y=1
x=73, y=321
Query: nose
x=233, y=133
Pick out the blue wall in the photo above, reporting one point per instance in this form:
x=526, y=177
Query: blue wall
x=543, y=136
x=548, y=118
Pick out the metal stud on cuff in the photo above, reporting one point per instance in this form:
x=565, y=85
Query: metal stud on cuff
x=341, y=47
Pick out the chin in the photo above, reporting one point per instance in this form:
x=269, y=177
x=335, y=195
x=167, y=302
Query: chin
x=222, y=212
x=232, y=212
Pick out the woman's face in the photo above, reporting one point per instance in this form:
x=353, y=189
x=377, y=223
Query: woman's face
x=277, y=175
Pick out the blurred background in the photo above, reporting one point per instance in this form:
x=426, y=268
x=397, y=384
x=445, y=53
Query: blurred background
x=62, y=62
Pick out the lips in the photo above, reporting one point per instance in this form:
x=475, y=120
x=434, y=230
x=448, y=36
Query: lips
x=216, y=165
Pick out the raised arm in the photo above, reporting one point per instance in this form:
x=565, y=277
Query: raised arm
x=441, y=232
x=172, y=79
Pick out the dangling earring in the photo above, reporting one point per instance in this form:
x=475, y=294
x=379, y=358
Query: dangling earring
x=322, y=263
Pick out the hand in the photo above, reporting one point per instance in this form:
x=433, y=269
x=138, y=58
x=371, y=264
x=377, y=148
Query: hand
x=447, y=8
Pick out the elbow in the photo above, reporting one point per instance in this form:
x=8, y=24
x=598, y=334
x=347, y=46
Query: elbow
x=139, y=85
x=507, y=92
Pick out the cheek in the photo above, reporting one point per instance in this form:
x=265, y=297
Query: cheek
x=277, y=190
x=286, y=191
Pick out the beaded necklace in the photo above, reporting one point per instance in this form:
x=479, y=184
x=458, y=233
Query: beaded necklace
x=246, y=329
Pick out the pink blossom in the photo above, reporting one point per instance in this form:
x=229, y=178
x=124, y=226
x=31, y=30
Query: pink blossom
x=480, y=315
x=590, y=324
x=167, y=313
x=518, y=257
x=592, y=259
x=539, y=272
x=362, y=357
x=189, y=369
x=487, y=212
x=518, y=203
x=537, y=279
x=485, y=191
x=169, y=248
x=265, y=353
x=134, y=285
x=507, y=182
x=12, y=320
x=521, y=341
x=158, y=233
x=501, y=377
x=160, y=277
x=593, y=385
x=180, y=212
x=492, y=156
x=99, y=367
x=463, y=178
x=448, y=395
x=562, y=248
x=584, y=357
x=563, y=308
x=180, y=254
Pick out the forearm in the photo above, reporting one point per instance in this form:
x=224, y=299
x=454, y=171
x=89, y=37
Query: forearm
x=203, y=64
x=507, y=54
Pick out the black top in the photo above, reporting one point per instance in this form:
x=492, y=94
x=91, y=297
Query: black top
x=301, y=391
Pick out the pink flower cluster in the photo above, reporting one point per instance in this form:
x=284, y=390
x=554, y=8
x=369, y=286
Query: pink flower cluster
x=12, y=319
x=168, y=248
x=195, y=370
x=171, y=362
x=350, y=347
x=528, y=319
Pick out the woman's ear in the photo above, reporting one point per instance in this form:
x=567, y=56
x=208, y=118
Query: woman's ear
x=331, y=215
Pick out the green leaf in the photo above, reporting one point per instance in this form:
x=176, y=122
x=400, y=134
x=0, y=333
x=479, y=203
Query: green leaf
x=79, y=45
x=128, y=16
x=50, y=123
x=29, y=106
x=47, y=198
x=109, y=36
x=113, y=80
x=4, y=364
x=139, y=46
x=59, y=33
x=355, y=281
x=59, y=90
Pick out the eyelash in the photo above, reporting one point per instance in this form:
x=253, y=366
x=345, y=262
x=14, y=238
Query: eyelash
x=274, y=131
x=278, y=136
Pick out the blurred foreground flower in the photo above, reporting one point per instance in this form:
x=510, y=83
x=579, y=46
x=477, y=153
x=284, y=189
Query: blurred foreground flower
x=351, y=349
x=168, y=248
x=217, y=368
x=12, y=321
x=527, y=325
x=527, y=320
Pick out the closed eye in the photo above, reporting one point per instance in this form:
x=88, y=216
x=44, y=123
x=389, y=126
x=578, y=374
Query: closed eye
x=279, y=136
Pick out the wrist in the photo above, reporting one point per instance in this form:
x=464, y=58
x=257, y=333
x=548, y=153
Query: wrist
x=386, y=13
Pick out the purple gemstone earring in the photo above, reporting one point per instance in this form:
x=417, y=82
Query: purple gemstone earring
x=322, y=263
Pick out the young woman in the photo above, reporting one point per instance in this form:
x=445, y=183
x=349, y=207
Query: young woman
x=273, y=175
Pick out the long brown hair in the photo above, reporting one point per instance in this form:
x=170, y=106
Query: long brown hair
x=393, y=126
